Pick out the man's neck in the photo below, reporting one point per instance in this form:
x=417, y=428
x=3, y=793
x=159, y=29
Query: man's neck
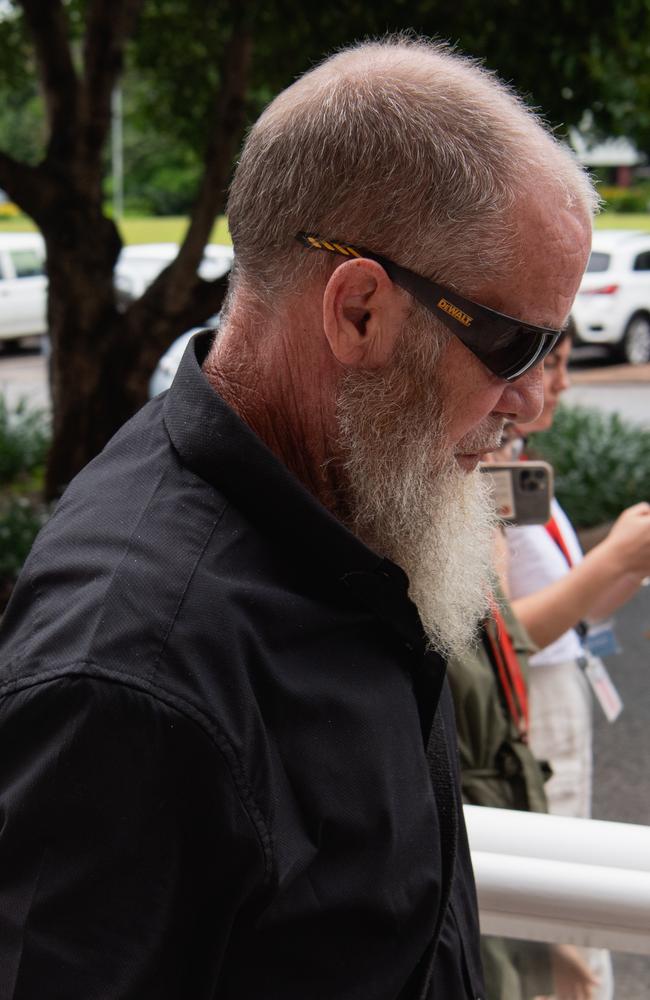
x=281, y=393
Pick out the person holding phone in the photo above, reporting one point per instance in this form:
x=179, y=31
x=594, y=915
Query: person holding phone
x=555, y=590
x=489, y=686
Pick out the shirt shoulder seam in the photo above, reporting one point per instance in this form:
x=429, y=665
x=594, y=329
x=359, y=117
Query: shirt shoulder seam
x=208, y=724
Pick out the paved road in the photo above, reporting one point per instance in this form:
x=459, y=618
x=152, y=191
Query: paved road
x=614, y=388
x=622, y=750
x=23, y=376
x=622, y=758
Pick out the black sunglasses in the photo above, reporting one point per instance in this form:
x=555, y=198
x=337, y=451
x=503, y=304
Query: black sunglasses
x=505, y=345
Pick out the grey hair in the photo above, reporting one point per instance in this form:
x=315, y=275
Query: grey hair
x=404, y=147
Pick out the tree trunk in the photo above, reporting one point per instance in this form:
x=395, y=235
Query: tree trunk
x=101, y=359
x=85, y=331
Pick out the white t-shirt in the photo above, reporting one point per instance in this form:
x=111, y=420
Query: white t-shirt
x=536, y=560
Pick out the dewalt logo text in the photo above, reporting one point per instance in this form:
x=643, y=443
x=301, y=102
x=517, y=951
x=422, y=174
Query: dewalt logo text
x=454, y=311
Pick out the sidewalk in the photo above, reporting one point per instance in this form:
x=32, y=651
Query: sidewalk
x=610, y=374
x=623, y=389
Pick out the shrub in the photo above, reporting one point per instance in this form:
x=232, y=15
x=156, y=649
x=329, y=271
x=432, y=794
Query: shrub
x=21, y=518
x=601, y=462
x=24, y=439
x=626, y=199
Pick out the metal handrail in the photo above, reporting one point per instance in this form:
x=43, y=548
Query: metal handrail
x=560, y=879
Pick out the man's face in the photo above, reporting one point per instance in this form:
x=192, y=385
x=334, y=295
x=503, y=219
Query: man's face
x=553, y=253
x=410, y=498
x=412, y=434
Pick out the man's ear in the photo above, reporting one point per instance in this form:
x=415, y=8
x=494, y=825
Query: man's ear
x=363, y=313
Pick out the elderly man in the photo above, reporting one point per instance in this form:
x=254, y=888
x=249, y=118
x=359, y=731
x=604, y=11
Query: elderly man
x=228, y=766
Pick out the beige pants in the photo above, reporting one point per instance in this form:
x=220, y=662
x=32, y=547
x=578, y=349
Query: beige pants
x=561, y=732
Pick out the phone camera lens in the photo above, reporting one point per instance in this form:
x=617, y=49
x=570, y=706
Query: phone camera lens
x=531, y=482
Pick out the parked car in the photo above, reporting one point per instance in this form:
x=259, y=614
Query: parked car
x=612, y=307
x=164, y=372
x=23, y=286
x=139, y=264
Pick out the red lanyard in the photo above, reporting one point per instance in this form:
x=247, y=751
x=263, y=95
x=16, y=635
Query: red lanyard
x=554, y=532
x=509, y=672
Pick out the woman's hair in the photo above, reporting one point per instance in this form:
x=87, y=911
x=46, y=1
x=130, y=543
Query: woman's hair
x=568, y=333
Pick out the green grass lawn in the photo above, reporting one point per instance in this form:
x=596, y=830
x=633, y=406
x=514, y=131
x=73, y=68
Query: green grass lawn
x=170, y=229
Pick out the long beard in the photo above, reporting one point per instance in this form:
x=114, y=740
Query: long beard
x=409, y=499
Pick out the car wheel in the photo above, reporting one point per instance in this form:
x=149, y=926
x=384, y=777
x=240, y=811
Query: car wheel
x=636, y=341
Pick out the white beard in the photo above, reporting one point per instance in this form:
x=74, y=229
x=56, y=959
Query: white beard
x=410, y=500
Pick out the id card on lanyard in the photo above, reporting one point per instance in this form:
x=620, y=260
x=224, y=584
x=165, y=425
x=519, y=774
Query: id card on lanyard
x=603, y=688
x=600, y=640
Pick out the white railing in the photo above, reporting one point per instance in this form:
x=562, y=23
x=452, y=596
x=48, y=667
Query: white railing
x=554, y=878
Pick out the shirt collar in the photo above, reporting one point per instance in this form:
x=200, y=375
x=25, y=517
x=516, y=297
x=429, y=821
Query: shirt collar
x=219, y=447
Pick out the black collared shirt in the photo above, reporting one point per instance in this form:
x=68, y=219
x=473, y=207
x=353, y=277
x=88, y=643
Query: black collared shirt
x=215, y=703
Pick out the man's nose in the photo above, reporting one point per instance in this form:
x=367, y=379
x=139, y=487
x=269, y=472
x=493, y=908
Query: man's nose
x=522, y=400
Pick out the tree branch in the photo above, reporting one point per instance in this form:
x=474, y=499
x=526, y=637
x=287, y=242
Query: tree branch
x=49, y=29
x=150, y=312
x=228, y=122
x=108, y=26
x=22, y=182
x=178, y=283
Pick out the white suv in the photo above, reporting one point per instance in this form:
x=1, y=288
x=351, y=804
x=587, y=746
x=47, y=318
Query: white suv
x=612, y=307
x=23, y=286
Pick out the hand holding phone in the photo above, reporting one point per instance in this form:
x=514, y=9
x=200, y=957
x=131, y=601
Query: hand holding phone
x=522, y=490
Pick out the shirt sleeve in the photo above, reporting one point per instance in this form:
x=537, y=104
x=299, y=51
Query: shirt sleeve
x=126, y=854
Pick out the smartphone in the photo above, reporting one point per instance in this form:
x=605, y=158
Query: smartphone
x=522, y=490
